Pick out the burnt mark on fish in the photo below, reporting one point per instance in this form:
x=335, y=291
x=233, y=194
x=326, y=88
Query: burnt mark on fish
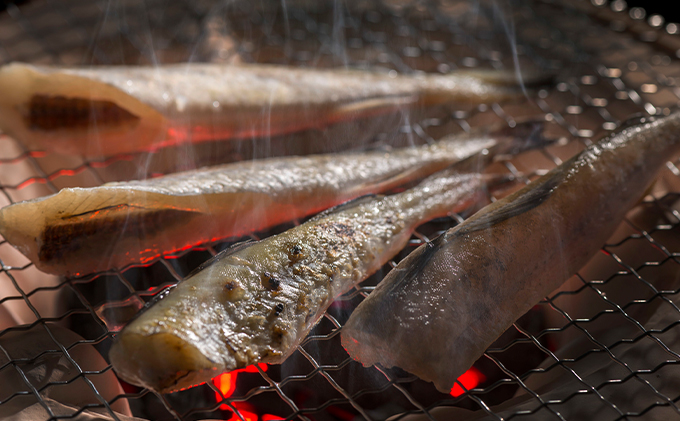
x=277, y=335
x=58, y=112
x=296, y=250
x=95, y=233
x=270, y=282
x=295, y=254
x=278, y=309
x=342, y=229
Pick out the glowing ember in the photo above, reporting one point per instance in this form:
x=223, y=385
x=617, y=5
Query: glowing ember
x=469, y=380
x=248, y=416
x=226, y=383
x=270, y=417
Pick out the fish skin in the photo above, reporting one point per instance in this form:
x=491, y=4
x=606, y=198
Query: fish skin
x=458, y=293
x=256, y=303
x=78, y=231
x=156, y=106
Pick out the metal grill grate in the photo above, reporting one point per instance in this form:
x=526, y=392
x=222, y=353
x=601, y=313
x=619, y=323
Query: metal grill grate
x=608, y=337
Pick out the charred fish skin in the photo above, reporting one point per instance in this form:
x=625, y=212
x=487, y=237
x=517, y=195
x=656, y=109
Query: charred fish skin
x=256, y=302
x=129, y=109
x=79, y=231
x=460, y=292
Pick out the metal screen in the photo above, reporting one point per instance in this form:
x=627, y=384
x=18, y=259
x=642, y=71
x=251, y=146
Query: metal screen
x=603, y=347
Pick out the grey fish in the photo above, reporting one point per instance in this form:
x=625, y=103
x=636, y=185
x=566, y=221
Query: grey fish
x=83, y=230
x=255, y=303
x=110, y=110
x=458, y=293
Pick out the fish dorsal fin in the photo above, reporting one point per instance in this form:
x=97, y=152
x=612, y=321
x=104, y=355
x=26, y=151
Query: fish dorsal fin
x=236, y=247
x=346, y=205
x=524, y=200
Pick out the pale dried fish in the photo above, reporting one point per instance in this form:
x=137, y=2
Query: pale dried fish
x=458, y=293
x=109, y=110
x=79, y=231
x=257, y=302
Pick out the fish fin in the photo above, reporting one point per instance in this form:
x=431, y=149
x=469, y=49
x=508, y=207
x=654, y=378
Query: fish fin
x=345, y=205
x=531, y=78
x=414, y=266
x=525, y=200
x=236, y=247
x=647, y=192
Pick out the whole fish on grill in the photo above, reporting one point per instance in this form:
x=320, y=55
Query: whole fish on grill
x=458, y=293
x=110, y=110
x=84, y=230
x=256, y=302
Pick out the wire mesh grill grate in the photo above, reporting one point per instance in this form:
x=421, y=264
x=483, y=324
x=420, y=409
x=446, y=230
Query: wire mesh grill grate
x=604, y=346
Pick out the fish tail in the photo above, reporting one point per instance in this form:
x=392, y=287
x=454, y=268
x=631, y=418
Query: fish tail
x=530, y=78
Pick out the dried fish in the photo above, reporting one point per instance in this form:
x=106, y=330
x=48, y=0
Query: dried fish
x=79, y=231
x=111, y=110
x=256, y=302
x=458, y=293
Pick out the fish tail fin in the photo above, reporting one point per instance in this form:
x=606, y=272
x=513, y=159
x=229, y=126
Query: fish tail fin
x=484, y=85
x=530, y=78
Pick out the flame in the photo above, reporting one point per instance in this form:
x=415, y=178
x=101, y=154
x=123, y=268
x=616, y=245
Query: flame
x=469, y=380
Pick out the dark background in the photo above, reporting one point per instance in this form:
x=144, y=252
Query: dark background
x=669, y=9
x=665, y=8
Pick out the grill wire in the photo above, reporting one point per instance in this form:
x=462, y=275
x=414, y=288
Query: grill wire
x=604, y=346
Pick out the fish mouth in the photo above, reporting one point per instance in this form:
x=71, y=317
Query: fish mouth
x=48, y=113
x=161, y=361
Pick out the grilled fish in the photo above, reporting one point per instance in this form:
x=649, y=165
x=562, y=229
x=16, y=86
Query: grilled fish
x=78, y=231
x=111, y=110
x=256, y=302
x=458, y=293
